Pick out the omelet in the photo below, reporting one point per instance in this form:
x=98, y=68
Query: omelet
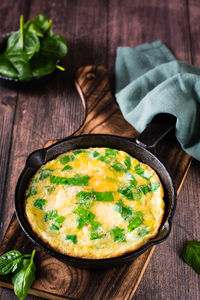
x=95, y=203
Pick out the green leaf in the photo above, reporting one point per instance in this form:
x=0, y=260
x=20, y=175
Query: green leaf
x=104, y=196
x=13, y=41
x=67, y=168
x=10, y=261
x=119, y=235
x=191, y=255
x=133, y=181
x=125, y=211
x=141, y=172
x=40, y=203
x=20, y=61
x=142, y=231
x=53, y=48
x=117, y=166
x=65, y=159
x=85, y=216
x=86, y=199
x=145, y=188
x=32, y=191
x=42, y=65
x=49, y=189
x=128, y=162
x=111, y=152
x=135, y=223
x=58, y=180
x=96, y=235
x=33, y=28
x=154, y=186
x=111, y=179
x=95, y=225
x=71, y=237
x=55, y=226
x=126, y=192
x=95, y=153
x=76, y=152
x=78, y=180
x=23, y=279
x=50, y=215
x=41, y=22
x=31, y=43
x=44, y=173
x=6, y=68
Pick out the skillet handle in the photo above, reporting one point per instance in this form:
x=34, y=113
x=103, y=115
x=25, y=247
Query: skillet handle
x=157, y=129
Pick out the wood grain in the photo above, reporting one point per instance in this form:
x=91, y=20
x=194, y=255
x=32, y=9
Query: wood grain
x=55, y=277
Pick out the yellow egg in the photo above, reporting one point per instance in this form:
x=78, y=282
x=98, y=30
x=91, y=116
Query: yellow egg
x=95, y=203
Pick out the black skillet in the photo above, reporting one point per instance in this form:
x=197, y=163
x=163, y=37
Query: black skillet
x=141, y=148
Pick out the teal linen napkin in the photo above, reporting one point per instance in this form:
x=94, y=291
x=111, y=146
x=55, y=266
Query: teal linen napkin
x=149, y=81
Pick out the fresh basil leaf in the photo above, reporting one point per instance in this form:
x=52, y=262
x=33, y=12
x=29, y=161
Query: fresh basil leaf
x=67, y=168
x=65, y=159
x=128, y=162
x=117, y=166
x=49, y=189
x=71, y=237
x=23, y=279
x=119, y=235
x=55, y=226
x=143, y=231
x=58, y=180
x=78, y=180
x=32, y=191
x=135, y=223
x=104, y=196
x=96, y=235
x=141, y=172
x=125, y=211
x=6, y=68
x=44, y=173
x=191, y=255
x=85, y=216
x=50, y=215
x=53, y=48
x=10, y=261
x=20, y=61
x=40, y=203
x=127, y=192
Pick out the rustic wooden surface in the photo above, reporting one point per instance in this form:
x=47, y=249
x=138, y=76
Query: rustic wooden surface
x=94, y=30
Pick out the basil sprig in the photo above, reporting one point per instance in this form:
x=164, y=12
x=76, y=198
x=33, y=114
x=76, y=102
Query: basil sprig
x=23, y=269
x=33, y=50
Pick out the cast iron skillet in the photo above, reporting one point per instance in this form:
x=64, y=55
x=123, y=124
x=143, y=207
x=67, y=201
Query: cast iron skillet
x=138, y=148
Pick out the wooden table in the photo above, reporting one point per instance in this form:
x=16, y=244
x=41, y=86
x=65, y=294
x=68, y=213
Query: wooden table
x=94, y=29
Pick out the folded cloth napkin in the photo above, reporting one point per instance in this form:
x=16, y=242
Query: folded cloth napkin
x=149, y=81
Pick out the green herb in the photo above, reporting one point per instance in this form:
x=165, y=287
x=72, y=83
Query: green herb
x=95, y=225
x=119, y=235
x=104, y=158
x=40, y=203
x=50, y=215
x=191, y=255
x=133, y=181
x=32, y=191
x=76, y=152
x=55, y=226
x=86, y=199
x=44, y=173
x=33, y=50
x=135, y=222
x=23, y=279
x=65, y=159
x=85, y=216
x=125, y=211
x=11, y=261
x=152, y=187
x=128, y=162
x=142, y=231
x=127, y=192
x=95, y=153
x=111, y=179
x=71, y=237
x=49, y=189
x=96, y=235
x=141, y=172
x=78, y=180
x=33, y=180
x=111, y=152
x=58, y=180
x=67, y=168
x=104, y=196
x=117, y=166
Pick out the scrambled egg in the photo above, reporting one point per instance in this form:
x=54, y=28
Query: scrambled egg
x=95, y=203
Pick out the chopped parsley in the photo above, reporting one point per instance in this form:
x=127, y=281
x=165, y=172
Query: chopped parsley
x=40, y=203
x=71, y=237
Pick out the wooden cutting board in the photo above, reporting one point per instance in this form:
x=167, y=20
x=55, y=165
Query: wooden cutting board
x=57, y=280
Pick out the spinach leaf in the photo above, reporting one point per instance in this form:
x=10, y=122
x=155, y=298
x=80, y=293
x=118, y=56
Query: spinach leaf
x=67, y=168
x=71, y=237
x=40, y=203
x=111, y=152
x=135, y=222
x=53, y=48
x=50, y=215
x=142, y=231
x=13, y=41
x=125, y=211
x=49, y=189
x=104, y=196
x=10, y=261
x=32, y=191
x=117, y=166
x=6, y=68
x=128, y=162
x=58, y=180
x=95, y=153
x=126, y=192
x=55, y=226
x=41, y=22
x=78, y=180
x=20, y=61
x=42, y=65
x=152, y=187
x=44, y=173
x=76, y=152
x=86, y=199
x=119, y=235
x=133, y=181
x=31, y=43
x=96, y=235
x=65, y=159
x=85, y=216
x=33, y=28
x=23, y=279
x=191, y=255
x=141, y=172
